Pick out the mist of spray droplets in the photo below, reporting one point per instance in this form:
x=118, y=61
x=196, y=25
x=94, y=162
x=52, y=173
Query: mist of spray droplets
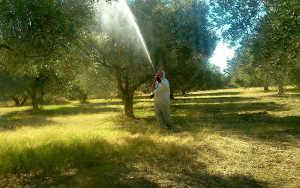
x=116, y=19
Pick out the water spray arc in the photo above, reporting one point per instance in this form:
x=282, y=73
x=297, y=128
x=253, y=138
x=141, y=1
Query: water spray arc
x=115, y=18
x=137, y=29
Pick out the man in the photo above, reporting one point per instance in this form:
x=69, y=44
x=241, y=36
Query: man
x=161, y=96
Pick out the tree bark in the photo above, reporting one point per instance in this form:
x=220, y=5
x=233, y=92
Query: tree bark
x=127, y=98
x=266, y=88
x=127, y=93
x=83, y=98
x=125, y=87
x=280, y=89
x=172, y=95
x=24, y=101
x=5, y=46
x=16, y=100
x=34, y=99
x=41, y=97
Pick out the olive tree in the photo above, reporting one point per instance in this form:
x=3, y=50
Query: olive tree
x=38, y=34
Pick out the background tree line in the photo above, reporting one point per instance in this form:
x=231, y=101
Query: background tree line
x=59, y=48
x=50, y=49
x=268, y=35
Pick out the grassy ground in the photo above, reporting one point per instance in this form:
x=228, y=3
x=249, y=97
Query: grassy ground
x=223, y=138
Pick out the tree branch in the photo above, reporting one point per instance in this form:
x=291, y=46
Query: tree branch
x=5, y=46
x=142, y=81
x=102, y=62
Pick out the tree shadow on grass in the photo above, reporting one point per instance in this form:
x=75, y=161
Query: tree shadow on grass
x=217, y=100
x=212, y=94
x=12, y=120
x=76, y=110
x=165, y=166
x=245, y=118
x=260, y=125
x=138, y=162
x=208, y=180
x=225, y=108
x=187, y=96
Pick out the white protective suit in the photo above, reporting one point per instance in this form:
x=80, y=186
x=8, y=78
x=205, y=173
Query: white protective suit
x=162, y=102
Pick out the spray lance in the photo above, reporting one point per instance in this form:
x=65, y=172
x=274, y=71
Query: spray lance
x=152, y=85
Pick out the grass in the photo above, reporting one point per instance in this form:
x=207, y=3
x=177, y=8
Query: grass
x=223, y=138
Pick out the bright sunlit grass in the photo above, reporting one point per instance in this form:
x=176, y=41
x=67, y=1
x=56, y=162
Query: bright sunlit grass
x=223, y=138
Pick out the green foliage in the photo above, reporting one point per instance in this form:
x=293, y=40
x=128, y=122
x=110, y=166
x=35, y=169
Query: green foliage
x=182, y=38
x=210, y=77
x=176, y=32
x=237, y=19
x=269, y=34
x=41, y=28
x=38, y=34
x=11, y=86
x=58, y=48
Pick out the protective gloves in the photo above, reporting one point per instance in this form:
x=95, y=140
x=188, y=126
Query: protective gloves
x=158, y=79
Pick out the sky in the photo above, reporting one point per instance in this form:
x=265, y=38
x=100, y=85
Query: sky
x=221, y=54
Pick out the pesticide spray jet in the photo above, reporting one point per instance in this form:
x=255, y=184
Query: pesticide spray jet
x=117, y=19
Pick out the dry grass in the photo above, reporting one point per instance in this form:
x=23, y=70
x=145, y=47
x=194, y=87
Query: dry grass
x=223, y=138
